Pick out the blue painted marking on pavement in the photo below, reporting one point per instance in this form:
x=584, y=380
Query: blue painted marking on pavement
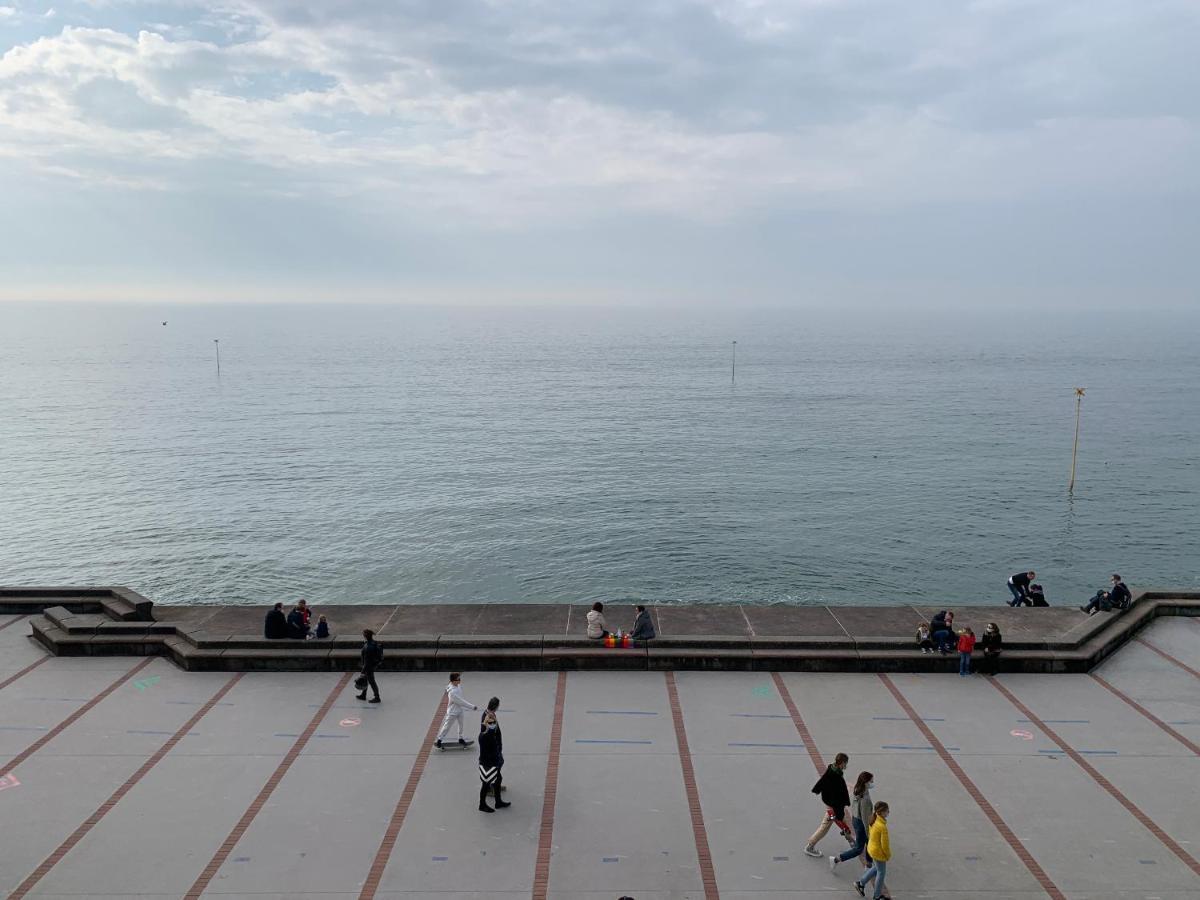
x=145, y=731
x=580, y=741
x=285, y=734
x=197, y=703
x=346, y=736
x=971, y=858
x=1148, y=862
x=241, y=859
x=1060, y=721
x=1185, y=722
x=619, y=712
x=748, y=744
x=904, y=719
x=760, y=715
x=907, y=747
x=780, y=858
x=610, y=859
x=440, y=858
x=22, y=728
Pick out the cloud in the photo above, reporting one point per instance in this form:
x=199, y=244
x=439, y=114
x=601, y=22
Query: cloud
x=457, y=115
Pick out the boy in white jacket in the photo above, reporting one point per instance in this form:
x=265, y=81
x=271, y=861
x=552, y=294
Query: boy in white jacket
x=456, y=705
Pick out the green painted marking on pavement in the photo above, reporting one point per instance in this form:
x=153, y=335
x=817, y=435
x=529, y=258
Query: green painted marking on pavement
x=144, y=683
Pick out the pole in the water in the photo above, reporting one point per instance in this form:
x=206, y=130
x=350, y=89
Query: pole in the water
x=733, y=371
x=217, y=342
x=1075, y=450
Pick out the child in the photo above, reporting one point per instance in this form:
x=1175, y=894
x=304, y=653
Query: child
x=966, y=643
x=923, y=639
x=879, y=850
x=322, y=628
x=456, y=705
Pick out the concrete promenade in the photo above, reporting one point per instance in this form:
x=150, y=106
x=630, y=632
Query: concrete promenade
x=128, y=777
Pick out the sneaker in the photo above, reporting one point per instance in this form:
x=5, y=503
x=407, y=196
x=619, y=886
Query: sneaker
x=483, y=807
x=862, y=891
x=438, y=744
x=501, y=804
x=833, y=863
x=362, y=696
x=462, y=742
x=374, y=700
x=812, y=851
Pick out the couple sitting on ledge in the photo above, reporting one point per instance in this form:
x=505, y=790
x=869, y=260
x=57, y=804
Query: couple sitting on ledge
x=597, y=629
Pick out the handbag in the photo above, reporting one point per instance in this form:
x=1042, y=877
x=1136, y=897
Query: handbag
x=361, y=682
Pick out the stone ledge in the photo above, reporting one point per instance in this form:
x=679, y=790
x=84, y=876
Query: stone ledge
x=96, y=621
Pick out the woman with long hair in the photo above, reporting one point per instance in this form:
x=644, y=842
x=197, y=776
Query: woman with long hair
x=861, y=808
x=880, y=851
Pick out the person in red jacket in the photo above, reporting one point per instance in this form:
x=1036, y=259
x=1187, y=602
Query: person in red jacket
x=966, y=644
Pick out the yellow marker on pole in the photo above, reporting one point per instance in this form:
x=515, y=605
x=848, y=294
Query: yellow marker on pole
x=1075, y=450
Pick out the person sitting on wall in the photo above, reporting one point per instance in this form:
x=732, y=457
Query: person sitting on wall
x=643, y=627
x=597, y=628
x=1117, y=597
x=296, y=626
x=276, y=626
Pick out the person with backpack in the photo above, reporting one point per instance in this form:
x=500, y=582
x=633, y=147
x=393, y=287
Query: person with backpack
x=371, y=656
x=832, y=788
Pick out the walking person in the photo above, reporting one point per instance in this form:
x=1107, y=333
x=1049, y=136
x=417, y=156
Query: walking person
x=371, y=656
x=1018, y=586
x=491, y=758
x=880, y=851
x=456, y=705
x=832, y=788
x=861, y=807
x=966, y=645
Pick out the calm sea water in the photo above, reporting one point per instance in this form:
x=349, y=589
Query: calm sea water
x=380, y=454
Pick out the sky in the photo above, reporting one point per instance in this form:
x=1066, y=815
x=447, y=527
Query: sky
x=996, y=153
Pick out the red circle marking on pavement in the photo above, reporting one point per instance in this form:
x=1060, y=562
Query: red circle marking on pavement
x=1024, y=735
x=350, y=722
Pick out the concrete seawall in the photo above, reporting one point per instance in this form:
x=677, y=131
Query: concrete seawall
x=116, y=621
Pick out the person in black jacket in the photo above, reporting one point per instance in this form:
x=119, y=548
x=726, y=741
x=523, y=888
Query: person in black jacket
x=990, y=644
x=1117, y=597
x=1018, y=586
x=836, y=797
x=296, y=626
x=941, y=631
x=276, y=626
x=491, y=758
x=371, y=656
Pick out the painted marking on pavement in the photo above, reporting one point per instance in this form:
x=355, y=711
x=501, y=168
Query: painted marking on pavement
x=94, y=819
x=749, y=744
x=912, y=747
x=72, y=718
x=396, y=822
x=439, y=858
x=13, y=622
x=1060, y=721
x=1191, y=862
x=610, y=859
x=1168, y=657
x=708, y=875
x=760, y=715
x=904, y=719
x=22, y=727
x=762, y=690
x=144, y=683
x=350, y=722
x=798, y=721
x=8, y=781
x=1023, y=854
x=1191, y=745
x=1023, y=735
x=25, y=671
x=1091, y=752
x=223, y=852
x=541, y=869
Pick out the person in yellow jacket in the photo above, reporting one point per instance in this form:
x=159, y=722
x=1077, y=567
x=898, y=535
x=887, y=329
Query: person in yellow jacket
x=879, y=850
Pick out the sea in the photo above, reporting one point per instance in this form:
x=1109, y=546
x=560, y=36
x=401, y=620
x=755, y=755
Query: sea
x=420, y=454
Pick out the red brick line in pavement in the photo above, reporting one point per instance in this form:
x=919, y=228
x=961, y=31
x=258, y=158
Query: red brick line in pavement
x=1137, y=813
x=976, y=794
x=708, y=875
x=798, y=720
x=384, y=853
x=264, y=795
x=541, y=869
x=14, y=621
x=79, y=833
x=1168, y=657
x=1191, y=745
x=71, y=719
x=25, y=671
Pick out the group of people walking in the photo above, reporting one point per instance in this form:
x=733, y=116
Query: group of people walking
x=867, y=833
